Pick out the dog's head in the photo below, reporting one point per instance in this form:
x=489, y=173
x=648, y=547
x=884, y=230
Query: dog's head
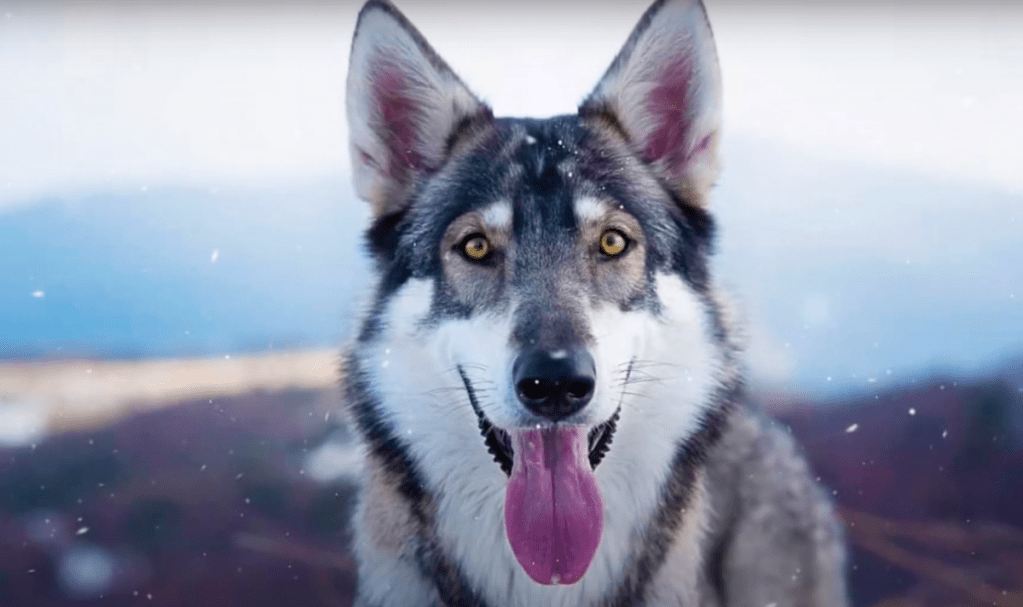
x=544, y=281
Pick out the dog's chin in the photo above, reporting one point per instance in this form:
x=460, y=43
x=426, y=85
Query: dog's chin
x=501, y=445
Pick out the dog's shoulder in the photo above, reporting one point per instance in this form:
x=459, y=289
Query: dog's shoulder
x=754, y=455
x=772, y=532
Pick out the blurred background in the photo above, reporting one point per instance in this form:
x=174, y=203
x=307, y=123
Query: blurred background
x=181, y=256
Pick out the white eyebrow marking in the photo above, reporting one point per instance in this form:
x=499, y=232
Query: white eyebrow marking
x=498, y=215
x=589, y=209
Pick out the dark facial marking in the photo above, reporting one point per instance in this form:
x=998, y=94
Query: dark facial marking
x=387, y=448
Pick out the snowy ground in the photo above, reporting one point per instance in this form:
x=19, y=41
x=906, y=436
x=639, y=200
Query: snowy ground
x=42, y=398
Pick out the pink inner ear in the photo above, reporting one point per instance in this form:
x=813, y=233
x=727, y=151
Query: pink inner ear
x=400, y=119
x=668, y=107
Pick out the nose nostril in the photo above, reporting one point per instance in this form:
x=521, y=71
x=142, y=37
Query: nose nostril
x=534, y=389
x=579, y=389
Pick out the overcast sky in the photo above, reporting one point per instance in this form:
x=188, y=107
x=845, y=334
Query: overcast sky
x=123, y=95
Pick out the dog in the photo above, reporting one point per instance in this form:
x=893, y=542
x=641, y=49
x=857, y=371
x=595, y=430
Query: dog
x=546, y=381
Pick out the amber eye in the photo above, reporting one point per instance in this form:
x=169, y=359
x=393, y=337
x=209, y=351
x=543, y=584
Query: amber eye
x=476, y=247
x=613, y=243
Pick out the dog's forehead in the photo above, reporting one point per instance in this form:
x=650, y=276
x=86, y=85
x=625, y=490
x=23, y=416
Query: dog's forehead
x=540, y=173
x=541, y=147
x=541, y=179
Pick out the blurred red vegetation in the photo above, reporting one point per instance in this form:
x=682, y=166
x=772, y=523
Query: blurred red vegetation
x=207, y=503
x=929, y=480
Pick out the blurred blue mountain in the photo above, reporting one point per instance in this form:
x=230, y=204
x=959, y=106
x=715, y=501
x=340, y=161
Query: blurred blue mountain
x=860, y=275
x=852, y=275
x=176, y=271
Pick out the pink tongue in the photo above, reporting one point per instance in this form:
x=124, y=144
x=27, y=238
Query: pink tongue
x=553, y=512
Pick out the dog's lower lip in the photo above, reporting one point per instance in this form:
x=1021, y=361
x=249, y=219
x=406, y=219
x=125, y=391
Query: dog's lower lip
x=499, y=442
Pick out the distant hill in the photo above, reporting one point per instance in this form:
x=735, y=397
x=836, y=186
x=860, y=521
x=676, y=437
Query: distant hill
x=175, y=271
x=858, y=275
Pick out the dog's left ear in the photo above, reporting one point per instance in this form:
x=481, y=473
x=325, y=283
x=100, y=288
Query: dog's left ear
x=405, y=107
x=663, y=92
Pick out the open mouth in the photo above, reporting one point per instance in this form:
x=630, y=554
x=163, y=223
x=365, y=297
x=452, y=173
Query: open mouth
x=499, y=442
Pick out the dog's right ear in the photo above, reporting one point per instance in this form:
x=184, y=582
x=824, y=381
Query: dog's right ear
x=405, y=107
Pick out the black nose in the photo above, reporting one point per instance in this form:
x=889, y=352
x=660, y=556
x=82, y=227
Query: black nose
x=554, y=383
